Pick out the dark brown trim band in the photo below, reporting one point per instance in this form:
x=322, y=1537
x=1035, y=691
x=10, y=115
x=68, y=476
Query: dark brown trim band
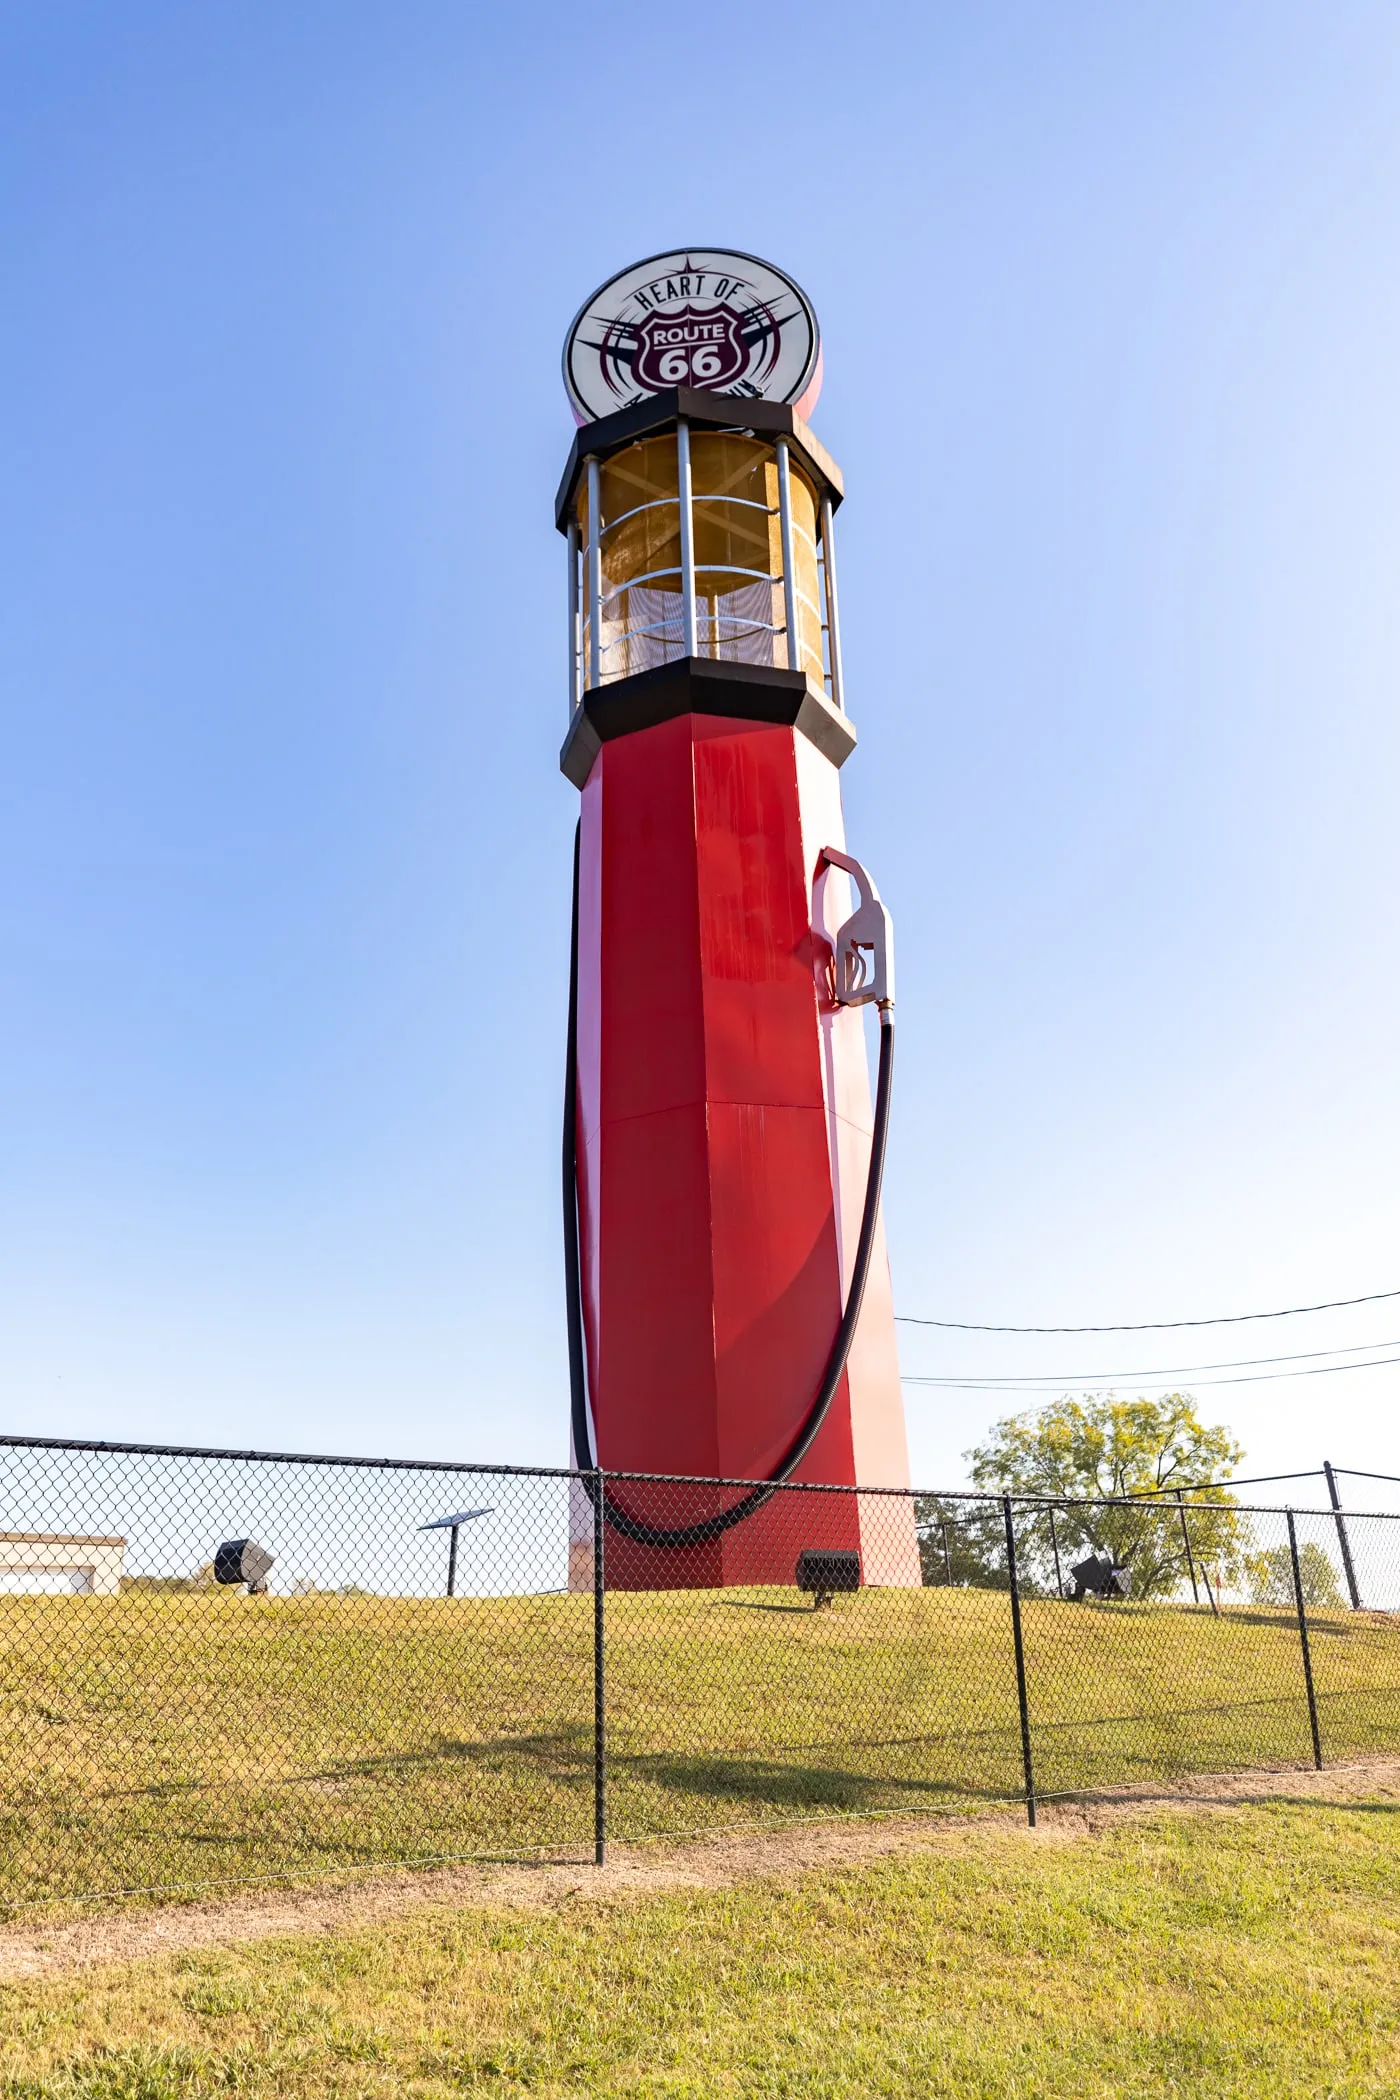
x=697, y=685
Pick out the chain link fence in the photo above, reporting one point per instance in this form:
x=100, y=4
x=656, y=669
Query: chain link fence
x=219, y=1667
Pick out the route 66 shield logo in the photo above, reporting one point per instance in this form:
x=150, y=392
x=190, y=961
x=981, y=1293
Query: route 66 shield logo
x=690, y=346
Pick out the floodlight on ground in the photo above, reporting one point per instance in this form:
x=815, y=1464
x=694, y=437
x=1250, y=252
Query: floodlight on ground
x=1100, y=1576
x=243, y=1560
x=825, y=1570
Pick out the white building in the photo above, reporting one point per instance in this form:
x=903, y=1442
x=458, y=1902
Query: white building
x=56, y=1564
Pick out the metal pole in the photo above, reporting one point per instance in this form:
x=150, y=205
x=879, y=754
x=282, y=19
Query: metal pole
x=833, y=616
x=794, y=643
x=1055, y=1549
x=600, y=1743
x=595, y=578
x=1186, y=1542
x=1020, y=1661
x=1342, y=1540
x=947, y=1556
x=575, y=663
x=687, y=511
x=452, y=1562
x=1303, y=1637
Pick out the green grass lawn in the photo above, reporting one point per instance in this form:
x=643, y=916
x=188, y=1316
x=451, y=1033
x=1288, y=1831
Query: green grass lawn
x=1244, y=1953
x=154, y=1740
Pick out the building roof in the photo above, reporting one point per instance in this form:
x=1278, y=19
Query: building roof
x=54, y=1538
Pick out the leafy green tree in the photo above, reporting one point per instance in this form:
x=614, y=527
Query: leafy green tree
x=1086, y=1456
x=960, y=1543
x=1271, y=1578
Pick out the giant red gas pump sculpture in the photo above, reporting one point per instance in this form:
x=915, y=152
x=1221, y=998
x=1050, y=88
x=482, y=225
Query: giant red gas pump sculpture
x=730, y=1303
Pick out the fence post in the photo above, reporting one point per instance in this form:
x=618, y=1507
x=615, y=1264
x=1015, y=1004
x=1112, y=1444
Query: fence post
x=1186, y=1542
x=947, y=1556
x=600, y=1739
x=1303, y=1637
x=1020, y=1661
x=1342, y=1540
x=1055, y=1549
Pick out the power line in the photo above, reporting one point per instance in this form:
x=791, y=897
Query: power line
x=983, y=1385
x=1242, y=1363
x=1286, y=1312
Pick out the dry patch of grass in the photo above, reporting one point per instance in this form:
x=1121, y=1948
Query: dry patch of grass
x=1251, y=1951
x=99, y=1936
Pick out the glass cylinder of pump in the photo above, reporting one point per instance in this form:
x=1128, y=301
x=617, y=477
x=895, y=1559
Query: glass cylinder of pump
x=736, y=548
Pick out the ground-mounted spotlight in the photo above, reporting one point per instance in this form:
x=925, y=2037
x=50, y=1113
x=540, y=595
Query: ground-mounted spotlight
x=824, y=1570
x=1101, y=1576
x=243, y=1560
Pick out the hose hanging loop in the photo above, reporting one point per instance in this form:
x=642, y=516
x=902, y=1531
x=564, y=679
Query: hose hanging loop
x=872, y=931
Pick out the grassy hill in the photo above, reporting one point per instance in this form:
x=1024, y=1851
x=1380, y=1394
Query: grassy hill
x=154, y=1739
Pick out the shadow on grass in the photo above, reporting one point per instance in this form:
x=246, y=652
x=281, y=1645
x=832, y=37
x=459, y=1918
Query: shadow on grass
x=571, y=1745
x=1281, y=1618
x=563, y=1758
x=734, y=1604
x=567, y=1755
x=762, y=1779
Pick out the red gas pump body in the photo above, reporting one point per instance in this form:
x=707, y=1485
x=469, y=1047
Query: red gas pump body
x=723, y=1122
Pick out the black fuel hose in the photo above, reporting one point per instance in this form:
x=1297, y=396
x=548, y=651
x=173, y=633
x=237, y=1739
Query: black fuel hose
x=642, y=1533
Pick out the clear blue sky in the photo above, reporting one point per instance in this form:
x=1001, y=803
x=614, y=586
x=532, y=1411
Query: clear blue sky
x=1112, y=322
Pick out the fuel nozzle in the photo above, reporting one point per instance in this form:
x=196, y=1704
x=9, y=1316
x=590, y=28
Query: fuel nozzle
x=863, y=948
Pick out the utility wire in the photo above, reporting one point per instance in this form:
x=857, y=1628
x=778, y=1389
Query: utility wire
x=983, y=1385
x=1286, y=1312
x=1243, y=1363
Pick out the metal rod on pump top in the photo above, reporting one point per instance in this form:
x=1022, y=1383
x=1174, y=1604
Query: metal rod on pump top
x=794, y=644
x=595, y=579
x=686, y=505
x=575, y=635
x=833, y=614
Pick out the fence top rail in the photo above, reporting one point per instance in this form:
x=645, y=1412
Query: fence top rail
x=1157, y=1505
x=284, y=1458
x=1154, y=1502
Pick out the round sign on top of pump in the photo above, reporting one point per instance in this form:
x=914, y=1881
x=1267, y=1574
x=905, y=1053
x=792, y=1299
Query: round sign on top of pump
x=698, y=317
